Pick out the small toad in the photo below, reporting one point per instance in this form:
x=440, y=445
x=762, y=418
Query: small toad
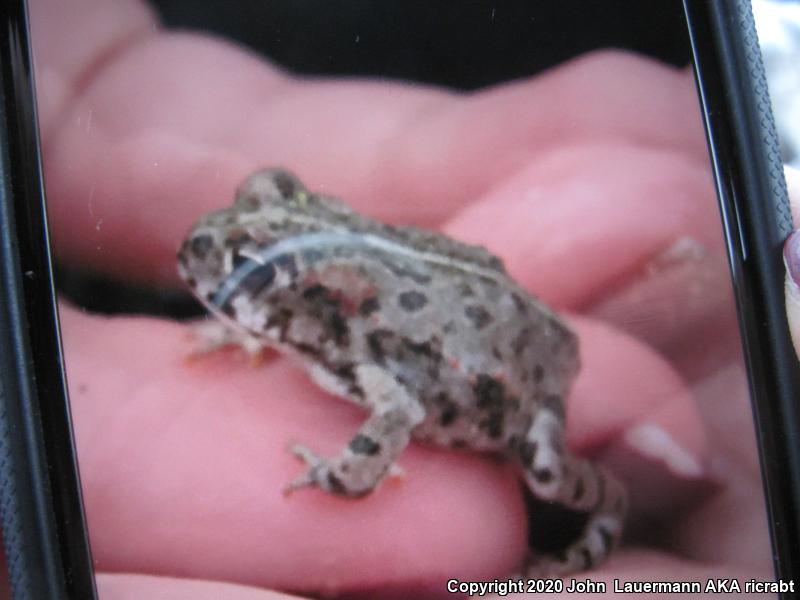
x=429, y=335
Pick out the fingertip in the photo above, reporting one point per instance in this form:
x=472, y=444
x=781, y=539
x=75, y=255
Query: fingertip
x=792, y=175
x=791, y=258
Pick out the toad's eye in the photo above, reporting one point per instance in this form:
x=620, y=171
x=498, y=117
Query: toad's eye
x=287, y=184
x=268, y=186
x=200, y=245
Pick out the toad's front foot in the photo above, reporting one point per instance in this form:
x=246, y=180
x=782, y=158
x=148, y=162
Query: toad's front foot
x=209, y=336
x=317, y=473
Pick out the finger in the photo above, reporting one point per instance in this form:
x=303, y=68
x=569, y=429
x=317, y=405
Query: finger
x=567, y=237
x=124, y=586
x=791, y=255
x=183, y=466
x=160, y=129
x=608, y=400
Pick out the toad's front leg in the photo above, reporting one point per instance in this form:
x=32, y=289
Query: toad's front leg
x=371, y=453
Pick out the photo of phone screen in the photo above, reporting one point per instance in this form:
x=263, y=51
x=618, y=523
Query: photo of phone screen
x=393, y=301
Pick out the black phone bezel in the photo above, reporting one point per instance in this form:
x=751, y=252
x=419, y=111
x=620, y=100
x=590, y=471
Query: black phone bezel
x=44, y=530
x=756, y=219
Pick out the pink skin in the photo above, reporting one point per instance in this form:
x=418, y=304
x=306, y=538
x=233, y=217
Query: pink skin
x=183, y=461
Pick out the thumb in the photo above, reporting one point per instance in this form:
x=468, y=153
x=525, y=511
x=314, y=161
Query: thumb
x=791, y=256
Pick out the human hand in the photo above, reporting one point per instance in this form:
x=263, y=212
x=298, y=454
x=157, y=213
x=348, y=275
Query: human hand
x=183, y=463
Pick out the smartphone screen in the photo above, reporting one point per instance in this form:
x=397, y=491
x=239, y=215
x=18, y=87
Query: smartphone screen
x=392, y=301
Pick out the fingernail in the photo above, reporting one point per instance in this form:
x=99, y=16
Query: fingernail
x=655, y=443
x=791, y=257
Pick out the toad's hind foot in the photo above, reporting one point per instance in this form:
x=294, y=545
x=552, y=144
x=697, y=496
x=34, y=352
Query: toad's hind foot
x=577, y=488
x=598, y=537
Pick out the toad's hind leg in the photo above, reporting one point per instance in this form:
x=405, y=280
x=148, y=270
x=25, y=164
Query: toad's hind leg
x=372, y=451
x=553, y=475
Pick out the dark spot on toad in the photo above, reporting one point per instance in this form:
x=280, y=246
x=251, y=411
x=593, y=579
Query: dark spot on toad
x=346, y=372
x=375, y=342
x=448, y=411
x=538, y=373
x=314, y=292
x=412, y=301
x=369, y=306
x=491, y=397
x=448, y=415
x=288, y=263
x=422, y=348
x=306, y=348
x=494, y=425
x=259, y=279
x=466, y=290
x=479, y=316
x=542, y=475
x=340, y=329
x=489, y=392
x=496, y=264
x=362, y=444
x=521, y=341
x=336, y=485
x=554, y=403
x=191, y=282
x=527, y=452
x=228, y=310
x=237, y=237
x=458, y=444
x=238, y=260
x=521, y=305
x=280, y=319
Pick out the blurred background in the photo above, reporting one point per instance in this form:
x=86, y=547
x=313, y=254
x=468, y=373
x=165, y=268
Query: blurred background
x=778, y=25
